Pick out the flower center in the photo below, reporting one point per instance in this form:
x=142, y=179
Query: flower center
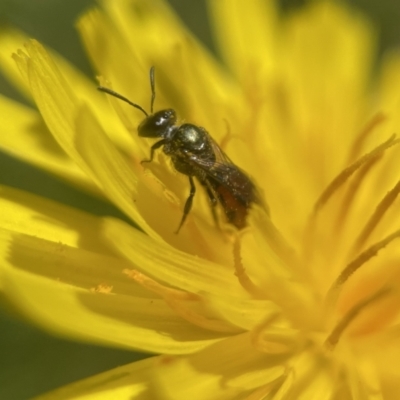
x=356, y=303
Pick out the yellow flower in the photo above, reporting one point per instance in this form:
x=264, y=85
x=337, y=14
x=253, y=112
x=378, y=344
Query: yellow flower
x=300, y=305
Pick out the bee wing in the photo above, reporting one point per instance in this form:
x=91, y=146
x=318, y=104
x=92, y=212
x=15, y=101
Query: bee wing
x=221, y=169
x=227, y=180
x=211, y=167
x=220, y=156
x=234, y=188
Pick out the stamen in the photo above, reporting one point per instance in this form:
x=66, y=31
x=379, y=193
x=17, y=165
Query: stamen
x=275, y=239
x=365, y=162
x=161, y=290
x=362, y=259
x=240, y=271
x=377, y=216
x=227, y=137
x=337, y=332
x=352, y=191
x=269, y=337
x=364, y=133
x=183, y=309
x=180, y=302
x=349, y=171
x=262, y=392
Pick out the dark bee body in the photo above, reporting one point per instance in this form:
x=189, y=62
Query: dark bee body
x=194, y=153
x=236, y=193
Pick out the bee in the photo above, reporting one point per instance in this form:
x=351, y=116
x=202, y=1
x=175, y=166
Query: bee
x=195, y=153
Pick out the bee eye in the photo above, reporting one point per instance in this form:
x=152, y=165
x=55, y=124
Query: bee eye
x=156, y=124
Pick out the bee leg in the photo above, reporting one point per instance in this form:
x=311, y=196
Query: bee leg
x=188, y=204
x=153, y=148
x=213, y=202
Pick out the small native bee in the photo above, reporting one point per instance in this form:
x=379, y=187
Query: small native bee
x=194, y=153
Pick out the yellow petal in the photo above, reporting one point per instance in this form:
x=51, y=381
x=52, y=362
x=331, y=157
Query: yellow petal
x=53, y=95
x=364, y=382
x=241, y=312
x=246, y=33
x=309, y=377
x=317, y=72
x=170, y=265
x=10, y=40
x=389, y=96
x=129, y=382
x=26, y=213
x=59, y=262
x=188, y=89
x=86, y=91
x=229, y=369
x=96, y=315
x=28, y=139
x=56, y=97
x=74, y=126
x=108, y=167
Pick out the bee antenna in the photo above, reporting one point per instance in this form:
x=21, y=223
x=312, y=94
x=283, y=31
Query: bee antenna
x=153, y=89
x=119, y=96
